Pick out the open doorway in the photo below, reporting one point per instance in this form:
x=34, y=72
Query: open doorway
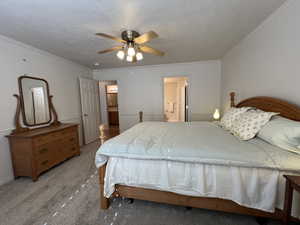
x=109, y=104
x=176, y=99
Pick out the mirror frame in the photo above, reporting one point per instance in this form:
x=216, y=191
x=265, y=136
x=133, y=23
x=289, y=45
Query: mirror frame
x=23, y=105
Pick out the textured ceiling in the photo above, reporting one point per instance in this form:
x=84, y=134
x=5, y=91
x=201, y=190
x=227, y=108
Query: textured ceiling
x=189, y=30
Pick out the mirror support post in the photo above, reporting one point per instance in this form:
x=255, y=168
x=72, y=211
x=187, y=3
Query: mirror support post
x=18, y=127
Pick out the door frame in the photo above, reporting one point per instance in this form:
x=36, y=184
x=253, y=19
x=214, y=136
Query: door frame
x=104, y=98
x=188, y=92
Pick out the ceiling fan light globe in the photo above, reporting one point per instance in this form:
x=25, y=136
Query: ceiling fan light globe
x=139, y=56
x=129, y=58
x=130, y=51
x=121, y=54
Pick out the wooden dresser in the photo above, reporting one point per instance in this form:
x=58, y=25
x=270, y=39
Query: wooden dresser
x=37, y=150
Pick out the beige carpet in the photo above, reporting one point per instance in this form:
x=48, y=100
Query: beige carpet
x=68, y=195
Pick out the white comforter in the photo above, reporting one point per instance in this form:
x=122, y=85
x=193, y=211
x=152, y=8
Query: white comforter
x=198, y=159
x=201, y=142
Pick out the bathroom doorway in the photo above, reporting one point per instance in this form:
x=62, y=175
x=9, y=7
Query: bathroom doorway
x=109, y=103
x=175, y=99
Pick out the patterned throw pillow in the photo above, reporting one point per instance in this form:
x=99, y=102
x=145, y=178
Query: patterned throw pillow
x=249, y=123
x=231, y=115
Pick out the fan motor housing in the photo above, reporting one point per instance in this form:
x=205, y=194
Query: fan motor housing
x=129, y=35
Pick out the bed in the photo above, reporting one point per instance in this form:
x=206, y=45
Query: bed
x=153, y=169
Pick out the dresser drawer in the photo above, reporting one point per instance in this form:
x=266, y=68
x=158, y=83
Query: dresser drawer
x=69, y=132
x=44, y=164
x=67, y=151
x=44, y=139
x=44, y=151
x=45, y=156
x=61, y=135
x=71, y=150
x=41, y=140
x=70, y=140
x=55, y=135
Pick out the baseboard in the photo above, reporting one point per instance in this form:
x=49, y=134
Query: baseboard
x=6, y=180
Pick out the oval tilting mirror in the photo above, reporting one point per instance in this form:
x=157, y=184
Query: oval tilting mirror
x=34, y=100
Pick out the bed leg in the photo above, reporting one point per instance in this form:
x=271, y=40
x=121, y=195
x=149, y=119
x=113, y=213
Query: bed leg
x=129, y=200
x=104, y=202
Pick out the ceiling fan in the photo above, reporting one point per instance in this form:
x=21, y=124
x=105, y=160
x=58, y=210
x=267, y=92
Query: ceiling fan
x=132, y=45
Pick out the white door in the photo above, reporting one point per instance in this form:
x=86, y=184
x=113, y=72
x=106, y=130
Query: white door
x=90, y=107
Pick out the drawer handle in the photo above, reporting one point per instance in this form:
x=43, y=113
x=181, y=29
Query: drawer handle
x=72, y=139
x=43, y=150
x=73, y=149
x=45, y=162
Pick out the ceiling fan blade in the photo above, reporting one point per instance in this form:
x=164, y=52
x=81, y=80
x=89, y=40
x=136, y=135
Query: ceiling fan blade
x=150, y=50
x=145, y=37
x=111, y=49
x=111, y=37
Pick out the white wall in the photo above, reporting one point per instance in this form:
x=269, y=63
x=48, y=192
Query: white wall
x=267, y=61
x=61, y=74
x=141, y=88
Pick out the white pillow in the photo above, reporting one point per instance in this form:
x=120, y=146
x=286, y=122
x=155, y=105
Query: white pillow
x=231, y=115
x=248, y=124
x=283, y=133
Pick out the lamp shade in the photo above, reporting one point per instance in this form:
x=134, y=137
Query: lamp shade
x=216, y=114
x=130, y=51
x=139, y=56
x=121, y=54
x=129, y=58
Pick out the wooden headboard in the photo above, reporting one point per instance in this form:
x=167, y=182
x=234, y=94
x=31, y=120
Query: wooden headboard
x=269, y=104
